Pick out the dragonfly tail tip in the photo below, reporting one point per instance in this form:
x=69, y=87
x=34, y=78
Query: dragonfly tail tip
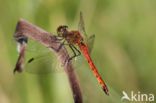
x=106, y=91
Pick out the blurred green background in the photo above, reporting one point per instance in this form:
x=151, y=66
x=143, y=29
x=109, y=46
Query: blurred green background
x=124, y=51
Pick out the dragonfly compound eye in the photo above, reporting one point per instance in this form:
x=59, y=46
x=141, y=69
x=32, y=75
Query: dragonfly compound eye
x=61, y=29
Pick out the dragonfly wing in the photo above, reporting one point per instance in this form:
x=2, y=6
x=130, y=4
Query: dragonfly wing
x=39, y=64
x=42, y=64
x=90, y=42
x=81, y=26
x=34, y=46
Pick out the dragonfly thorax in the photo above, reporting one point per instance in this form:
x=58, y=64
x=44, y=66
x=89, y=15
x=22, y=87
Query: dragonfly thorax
x=71, y=36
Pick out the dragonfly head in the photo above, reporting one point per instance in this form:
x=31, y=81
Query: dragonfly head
x=61, y=29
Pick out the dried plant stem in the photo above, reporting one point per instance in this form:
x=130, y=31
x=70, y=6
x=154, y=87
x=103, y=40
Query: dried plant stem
x=26, y=30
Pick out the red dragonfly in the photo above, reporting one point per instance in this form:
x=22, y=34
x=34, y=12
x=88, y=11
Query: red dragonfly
x=74, y=38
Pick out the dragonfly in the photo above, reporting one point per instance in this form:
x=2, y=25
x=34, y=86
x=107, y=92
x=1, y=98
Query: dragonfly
x=74, y=38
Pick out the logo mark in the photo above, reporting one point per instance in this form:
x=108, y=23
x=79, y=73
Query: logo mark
x=137, y=97
x=125, y=96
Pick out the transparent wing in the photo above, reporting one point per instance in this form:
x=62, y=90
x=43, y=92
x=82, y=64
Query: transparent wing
x=39, y=64
x=39, y=59
x=34, y=46
x=43, y=64
x=81, y=26
x=89, y=40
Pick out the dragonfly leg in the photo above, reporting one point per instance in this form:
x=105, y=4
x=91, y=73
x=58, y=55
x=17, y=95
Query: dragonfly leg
x=75, y=55
x=58, y=38
x=58, y=49
x=79, y=53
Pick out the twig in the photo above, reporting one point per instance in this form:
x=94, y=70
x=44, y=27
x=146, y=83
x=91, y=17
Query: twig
x=26, y=30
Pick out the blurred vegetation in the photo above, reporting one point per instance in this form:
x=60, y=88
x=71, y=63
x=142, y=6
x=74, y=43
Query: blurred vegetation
x=124, y=50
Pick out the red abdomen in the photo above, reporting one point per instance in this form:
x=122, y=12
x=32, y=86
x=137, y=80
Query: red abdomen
x=84, y=49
